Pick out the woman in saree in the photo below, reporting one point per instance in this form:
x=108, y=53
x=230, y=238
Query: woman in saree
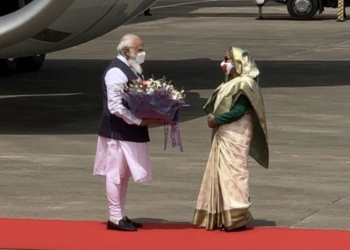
x=236, y=115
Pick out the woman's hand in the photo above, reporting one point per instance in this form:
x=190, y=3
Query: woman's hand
x=210, y=120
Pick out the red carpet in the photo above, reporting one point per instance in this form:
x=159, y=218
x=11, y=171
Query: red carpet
x=91, y=235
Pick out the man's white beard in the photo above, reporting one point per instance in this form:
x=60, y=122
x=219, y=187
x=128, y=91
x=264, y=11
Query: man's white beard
x=135, y=66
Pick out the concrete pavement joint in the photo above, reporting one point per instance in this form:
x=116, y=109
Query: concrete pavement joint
x=323, y=48
x=182, y=4
x=316, y=212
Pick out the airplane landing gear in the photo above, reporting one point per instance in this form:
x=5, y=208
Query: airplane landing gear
x=31, y=63
x=8, y=66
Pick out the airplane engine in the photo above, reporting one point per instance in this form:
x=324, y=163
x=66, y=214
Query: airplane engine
x=29, y=29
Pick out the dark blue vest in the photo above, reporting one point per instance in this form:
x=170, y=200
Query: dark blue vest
x=112, y=126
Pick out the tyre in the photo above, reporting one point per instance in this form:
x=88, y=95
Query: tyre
x=302, y=9
x=8, y=66
x=31, y=63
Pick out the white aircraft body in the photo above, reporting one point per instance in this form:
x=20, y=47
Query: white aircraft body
x=29, y=29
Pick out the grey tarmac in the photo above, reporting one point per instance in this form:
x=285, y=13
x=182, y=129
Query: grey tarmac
x=49, y=119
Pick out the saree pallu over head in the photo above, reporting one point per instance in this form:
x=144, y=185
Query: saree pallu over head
x=225, y=96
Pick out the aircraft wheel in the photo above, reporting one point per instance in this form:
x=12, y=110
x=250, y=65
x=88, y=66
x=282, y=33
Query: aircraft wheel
x=8, y=66
x=31, y=63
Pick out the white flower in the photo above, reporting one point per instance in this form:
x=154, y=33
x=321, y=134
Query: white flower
x=155, y=87
x=174, y=95
x=149, y=91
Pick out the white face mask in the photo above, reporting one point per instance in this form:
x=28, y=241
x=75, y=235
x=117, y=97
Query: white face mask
x=141, y=57
x=226, y=67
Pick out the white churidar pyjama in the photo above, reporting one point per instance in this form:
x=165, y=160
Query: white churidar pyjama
x=117, y=161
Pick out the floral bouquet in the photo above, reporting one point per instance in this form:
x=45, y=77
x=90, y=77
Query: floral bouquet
x=157, y=99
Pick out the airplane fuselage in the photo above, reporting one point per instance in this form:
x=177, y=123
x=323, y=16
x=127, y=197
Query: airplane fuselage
x=35, y=27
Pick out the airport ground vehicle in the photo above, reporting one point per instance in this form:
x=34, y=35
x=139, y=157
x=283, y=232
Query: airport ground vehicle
x=305, y=9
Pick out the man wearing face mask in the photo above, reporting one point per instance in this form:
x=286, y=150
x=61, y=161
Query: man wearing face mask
x=123, y=141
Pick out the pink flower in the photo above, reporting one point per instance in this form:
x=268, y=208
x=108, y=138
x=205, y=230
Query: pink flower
x=145, y=83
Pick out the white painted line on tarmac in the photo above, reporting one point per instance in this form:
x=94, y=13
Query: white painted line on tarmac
x=10, y=156
x=181, y=4
x=38, y=95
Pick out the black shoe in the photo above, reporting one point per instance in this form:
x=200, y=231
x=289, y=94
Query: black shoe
x=135, y=224
x=238, y=229
x=122, y=226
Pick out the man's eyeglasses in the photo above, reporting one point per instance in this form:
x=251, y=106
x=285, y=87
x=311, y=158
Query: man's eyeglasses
x=139, y=50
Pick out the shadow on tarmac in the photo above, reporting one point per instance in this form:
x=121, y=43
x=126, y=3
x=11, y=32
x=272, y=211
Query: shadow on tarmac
x=65, y=96
x=182, y=225
x=190, y=11
x=251, y=15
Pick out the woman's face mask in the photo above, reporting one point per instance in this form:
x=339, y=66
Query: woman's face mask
x=226, y=67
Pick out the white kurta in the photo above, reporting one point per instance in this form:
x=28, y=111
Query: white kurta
x=117, y=159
